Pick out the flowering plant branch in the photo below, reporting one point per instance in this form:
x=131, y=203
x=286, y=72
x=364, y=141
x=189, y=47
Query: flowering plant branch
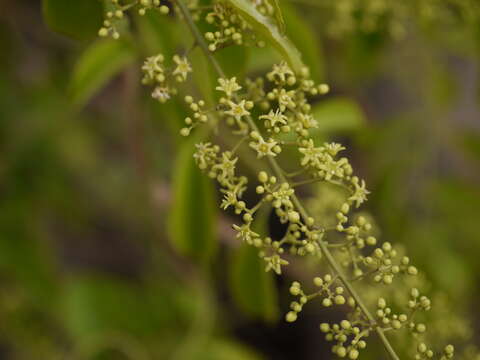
x=264, y=113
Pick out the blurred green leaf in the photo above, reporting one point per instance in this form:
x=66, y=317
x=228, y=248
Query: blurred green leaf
x=233, y=60
x=302, y=35
x=338, y=115
x=79, y=19
x=95, y=305
x=252, y=288
x=266, y=27
x=98, y=64
x=224, y=349
x=192, y=218
x=159, y=33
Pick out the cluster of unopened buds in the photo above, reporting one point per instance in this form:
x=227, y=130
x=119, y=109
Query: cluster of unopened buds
x=118, y=8
x=329, y=292
x=230, y=27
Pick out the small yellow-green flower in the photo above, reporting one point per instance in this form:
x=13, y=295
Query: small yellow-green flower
x=228, y=86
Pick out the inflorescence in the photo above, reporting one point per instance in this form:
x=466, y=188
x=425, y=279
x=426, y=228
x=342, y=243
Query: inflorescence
x=270, y=114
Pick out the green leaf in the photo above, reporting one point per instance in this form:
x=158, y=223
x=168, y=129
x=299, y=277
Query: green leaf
x=79, y=19
x=93, y=306
x=98, y=64
x=302, y=35
x=159, y=33
x=220, y=349
x=268, y=29
x=233, y=60
x=338, y=114
x=252, y=288
x=192, y=219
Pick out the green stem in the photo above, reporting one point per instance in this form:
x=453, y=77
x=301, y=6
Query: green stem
x=280, y=175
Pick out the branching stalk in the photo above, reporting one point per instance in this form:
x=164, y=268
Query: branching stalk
x=280, y=175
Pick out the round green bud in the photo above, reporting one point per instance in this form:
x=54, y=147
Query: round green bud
x=345, y=324
x=209, y=36
x=294, y=290
x=353, y=354
x=412, y=270
x=318, y=281
x=247, y=217
x=422, y=348
x=361, y=221
x=341, y=351
x=396, y=324
x=323, y=88
x=387, y=279
x=381, y=303
x=185, y=131
x=310, y=248
x=291, y=316
x=378, y=253
x=257, y=242
x=262, y=177
x=103, y=32
x=414, y=292
x=345, y=208
x=449, y=350
x=295, y=306
x=387, y=247
x=293, y=216
x=421, y=328
x=327, y=302
x=164, y=9
x=339, y=300
x=324, y=327
x=260, y=189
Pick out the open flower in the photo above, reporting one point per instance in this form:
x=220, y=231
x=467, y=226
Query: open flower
x=264, y=148
x=153, y=66
x=360, y=194
x=161, y=94
x=182, y=69
x=237, y=110
x=275, y=118
x=311, y=154
x=228, y=86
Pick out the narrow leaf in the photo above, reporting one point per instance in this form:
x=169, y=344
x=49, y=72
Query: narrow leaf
x=252, y=288
x=192, y=219
x=98, y=64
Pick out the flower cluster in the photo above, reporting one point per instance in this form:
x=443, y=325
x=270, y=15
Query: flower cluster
x=264, y=113
x=346, y=240
x=157, y=75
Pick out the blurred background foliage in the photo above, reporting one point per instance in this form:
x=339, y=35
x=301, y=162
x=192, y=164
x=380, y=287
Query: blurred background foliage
x=111, y=245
